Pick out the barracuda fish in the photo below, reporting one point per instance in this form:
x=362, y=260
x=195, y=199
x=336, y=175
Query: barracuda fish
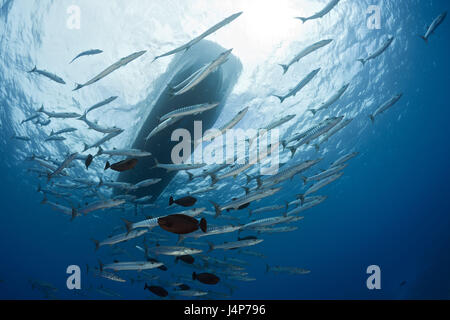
x=52, y=192
x=344, y=159
x=378, y=52
x=175, y=251
x=55, y=138
x=217, y=133
x=325, y=174
x=287, y=173
x=321, y=13
x=66, y=130
x=299, y=86
x=307, y=205
x=275, y=230
x=87, y=53
x=122, y=62
x=191, y=110
x=255, y=196
x=163, y=125
x=96, y=127
x=37, y=115
x=118, y=185
x=63, y=165
x=434, y=25
x=207, y=172
x=267, y=209
x=202, y=36
x=147, y=182
x=191, y=293
x=42, y=123
x=59, y=115
x=72, y=212
x=385, y=106
x=119, y=238
x=315, y=132
x=332, y=132
x=47, y=74
x=46, y=164
x=177, y=167
x=204, y=73
x=252, y=253
x=106, y=138
x=319, y=185
x=304, y=53
x=202, y=190
x=101, y=104
x=101, y=205
x=266, y=222
x=109, y=275
x=187, y=80
x=234, y=245
x=68, y=186
x=331, y=100
x=135, y=153
x=133, y=266
x=210, y=232
x=85, y=181
x=143, y=199
x=22, y=138
x=241, y=278
x=290, y=270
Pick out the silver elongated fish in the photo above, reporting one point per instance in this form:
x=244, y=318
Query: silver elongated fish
x=47, y=74
x=177, y=167
x=325, y=174
x=344, y=159
x=147, y=182
x=186, y=81
x=191, y=293
x=385, y=106
x=211, y=231
x=332, y=132
x=202, y=190
x=321, y=13
x=124, y=152
x=122, y=62
x=22, y=138
x=378, y=52
x=266, y=209
x=55, y=138
x=279, y=122
x=118, y=185
x=254, y=196
x=59, y=115
x=72, y=212
x=63, y=165
x=36, y=115
x=216, y=133
x=270, y=230
x=163, y=125
x=319, y=185
x=103, y=140
x=436, y=23
x=210, y=68
x=101, y=205
x=66, y=130
x=133, y=266
x=331, y=100
x=111, y=276
x=87, y=53
x=304, y=53
x=290, y=270
x=119, y=238
x=235, y=244
x=299, y=86
x=191, y=110
x=202, y=36
x=101, y=104
x=266, y=222
x=174, y=250
x=96, y=127
x=307, y=205
x=315, y=132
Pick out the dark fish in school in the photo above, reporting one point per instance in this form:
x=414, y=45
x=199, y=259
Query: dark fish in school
x=121, y=166
x=181, y=224
x=184, y=202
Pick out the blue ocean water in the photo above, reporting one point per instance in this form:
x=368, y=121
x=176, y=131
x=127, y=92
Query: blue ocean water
x=389, y=209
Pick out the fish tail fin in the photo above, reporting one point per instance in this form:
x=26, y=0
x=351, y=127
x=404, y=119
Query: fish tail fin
x=279, y=97
x=317, y=147
x=247, y=190
x=99, y=152
x=41, y=109
x=107, y=165
x=372, y=118
x=78, y=86
x=285, y=68
x=52, y=133
x=97, y=243
x=292, y=150
x=210, y=246
x=171, y=202
x=128, y=225
x=194, y=275
x=180, y=238
x=424, y=39
x=203, y=225
x=156, y=163
x=74, y=214
x=49, y=177
x=313, y=111
x=214, y=179
x=287, y=206
x=86, y=147
x=302, y=198
x=363, y=61
x=33, y=70
x=100, y=183
x=39, y=189
x=44, y=201
x=83, y=117
x=100, y=265
x=216, y=208
x=259, y=182
x=305, y=180
x=190, y=175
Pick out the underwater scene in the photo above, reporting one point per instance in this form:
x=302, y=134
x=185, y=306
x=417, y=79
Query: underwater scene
x=239, y=149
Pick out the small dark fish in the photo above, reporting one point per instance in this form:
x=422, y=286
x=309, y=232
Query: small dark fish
x=206, y=278
x=186, y=258
x=88, y=161
x=184, y=287
x=159, y=291
x=247, y=238
x=181, y=224
x=122, y=165
x=163, y=267
x=184, y=202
